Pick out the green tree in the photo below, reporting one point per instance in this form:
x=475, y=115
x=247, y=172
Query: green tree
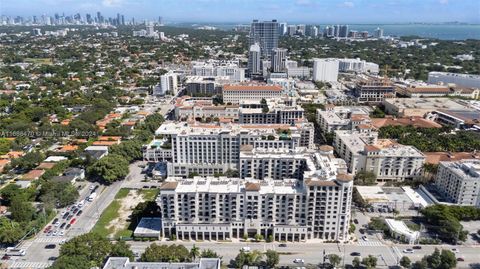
x=405, y=262
x=272, y=258
x=370, y=261
x=258, y=237
x=194, y=252
x=22, y=211
x=29, y=160
x=208, y=253
x=58, y=194
x=93, y=247
x=10, y=232
x=164, y=253
x=122, y=249
x=5, y=145
x=334, y=259
x=365, y=178
x=130, y=150
x=72, y=262
x=356, y=262
x=110, y=168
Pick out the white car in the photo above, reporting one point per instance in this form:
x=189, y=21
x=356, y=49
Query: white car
x=408, y=250
x=246, y=249
x=61, y=233
x=298, y=261
x=91, y=187
x=365, y=238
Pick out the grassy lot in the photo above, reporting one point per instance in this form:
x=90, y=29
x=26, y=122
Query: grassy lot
x=117, y=210
x=110, y=213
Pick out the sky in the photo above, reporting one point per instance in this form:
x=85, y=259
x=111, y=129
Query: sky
x=237, y=11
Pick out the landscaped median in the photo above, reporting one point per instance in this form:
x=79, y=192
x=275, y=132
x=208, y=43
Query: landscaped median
x=121, y=216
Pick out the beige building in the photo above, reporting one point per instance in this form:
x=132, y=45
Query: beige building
x=390, y=161
x=236, y=94
x=314, y=204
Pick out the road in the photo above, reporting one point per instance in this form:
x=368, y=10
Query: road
x=312, y=253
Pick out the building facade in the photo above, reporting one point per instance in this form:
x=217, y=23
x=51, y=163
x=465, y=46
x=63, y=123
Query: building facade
x=325, y=70
x=265, y=34
x=459, y=181
x=363, y=151
x=315, y=205
x=208, y=149
x=236, y=94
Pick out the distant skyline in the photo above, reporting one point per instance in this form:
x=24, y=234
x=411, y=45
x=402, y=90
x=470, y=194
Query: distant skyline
x=236, y=11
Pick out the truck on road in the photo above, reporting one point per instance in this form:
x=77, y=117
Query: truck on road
x=11, y=251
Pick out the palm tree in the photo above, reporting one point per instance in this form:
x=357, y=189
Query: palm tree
x=194, y=252
x=254, y=258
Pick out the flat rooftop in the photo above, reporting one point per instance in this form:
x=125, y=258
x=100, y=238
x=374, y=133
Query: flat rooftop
x=426, y=103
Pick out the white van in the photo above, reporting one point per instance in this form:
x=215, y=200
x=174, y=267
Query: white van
x=11, y=251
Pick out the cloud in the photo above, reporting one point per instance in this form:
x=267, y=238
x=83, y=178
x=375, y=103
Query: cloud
x=111, y=3
x=443, y=2
x=347, y=4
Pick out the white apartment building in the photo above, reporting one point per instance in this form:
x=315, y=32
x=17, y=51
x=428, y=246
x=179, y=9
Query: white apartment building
x=275, y=111
x=357, y=65
x=236, y=94
x=187, y=107
x=315, y=206
x=325, y=70
x=342, y=117
x=374, y=90
x=168, y=83
x=214, y=68
x=363, y=151
x=207, y=149
x=462, y=80
x=459, y=181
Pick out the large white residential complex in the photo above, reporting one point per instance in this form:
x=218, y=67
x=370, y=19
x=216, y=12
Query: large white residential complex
x=325, y=70
x=388, y=160
x=357, y=66
x=217, y=68
x=314, y=202
x=342, y=117
x=208, y=149
x=236, y=94
x=272, y=111
x=463, y=80
x=459, y=181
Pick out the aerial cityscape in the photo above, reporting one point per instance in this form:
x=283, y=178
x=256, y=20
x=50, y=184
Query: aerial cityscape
x=211, y=134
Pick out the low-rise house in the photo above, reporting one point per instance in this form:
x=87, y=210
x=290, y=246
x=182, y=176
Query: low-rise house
x=97, y=152
x=33, y=174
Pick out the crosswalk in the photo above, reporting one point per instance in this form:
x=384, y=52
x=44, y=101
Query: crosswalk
x=49, y=239
x=397, y=252
x=370, y=243
x=30, y=265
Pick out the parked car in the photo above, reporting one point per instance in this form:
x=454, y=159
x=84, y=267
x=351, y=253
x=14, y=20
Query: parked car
x=417, y=247
x=246, y=249
x=408, y=250
x=365, y=238
x=79, y=212
x=68, y=226
x=50, y=246
x=73, y=221
x=6, y=257
x=355, y=254
x=355, y=221
x=47, y=229
x=63, y=225
x=283, y=245
x=65, y=215
x=298, y=261
x=455, y=250
x=460, y=259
